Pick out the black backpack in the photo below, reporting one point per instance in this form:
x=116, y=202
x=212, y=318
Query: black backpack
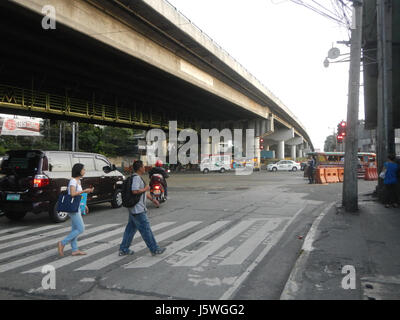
x=129, y=199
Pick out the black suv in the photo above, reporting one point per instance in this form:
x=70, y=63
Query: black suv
x=31, y=181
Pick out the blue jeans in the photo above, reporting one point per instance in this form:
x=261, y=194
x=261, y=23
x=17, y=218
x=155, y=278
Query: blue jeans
x=77, y=228
x=139, y=222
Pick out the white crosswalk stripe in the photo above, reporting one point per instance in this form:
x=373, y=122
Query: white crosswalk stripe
x=30, y=231
x=34, y=238
x=203, y=252
x=112, y=258
x=52, y=252
x=46, y=243
x=247, y=247
x=12, y=229
x=234, y=245
x=147, y=261
x=90, y=252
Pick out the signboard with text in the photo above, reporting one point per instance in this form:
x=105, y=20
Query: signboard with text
x=19, y=127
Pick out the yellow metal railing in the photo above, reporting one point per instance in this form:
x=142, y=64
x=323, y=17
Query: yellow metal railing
x=29, y=100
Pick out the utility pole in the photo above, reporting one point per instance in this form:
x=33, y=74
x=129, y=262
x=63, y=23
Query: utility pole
x=350, y=183
x=73, y=136
x=385, y=130
x=60, y=137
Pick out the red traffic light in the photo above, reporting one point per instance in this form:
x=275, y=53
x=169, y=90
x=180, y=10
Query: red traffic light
x=343, y=123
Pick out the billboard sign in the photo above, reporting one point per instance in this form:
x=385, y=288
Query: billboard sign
x=19, y=127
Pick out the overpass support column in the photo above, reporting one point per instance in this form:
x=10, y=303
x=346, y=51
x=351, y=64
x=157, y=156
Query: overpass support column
x=281, y=150
x=293, y=155
x=300, y=152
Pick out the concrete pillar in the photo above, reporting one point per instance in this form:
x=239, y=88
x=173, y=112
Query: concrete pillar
x=266, y=148
x=293, y=155
x=300, y=152
x=263, y=128
x=281, y=150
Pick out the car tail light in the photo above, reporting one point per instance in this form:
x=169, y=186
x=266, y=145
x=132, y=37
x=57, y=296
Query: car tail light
x=40, y=181
x=157, y=187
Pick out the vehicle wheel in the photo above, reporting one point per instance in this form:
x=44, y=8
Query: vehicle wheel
x=294, y=169
x=205, y=171
x=55, y=216
x=222, y=170
x=274, y=169
x=116, y=201
x=15, y=216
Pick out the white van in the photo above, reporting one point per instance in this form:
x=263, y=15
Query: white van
x=216, y=163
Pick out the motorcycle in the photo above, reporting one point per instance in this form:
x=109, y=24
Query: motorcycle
x=156, y=188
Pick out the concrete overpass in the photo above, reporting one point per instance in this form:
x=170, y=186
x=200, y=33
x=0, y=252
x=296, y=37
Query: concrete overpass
x=131, y=63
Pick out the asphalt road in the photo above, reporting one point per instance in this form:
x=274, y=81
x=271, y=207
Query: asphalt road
x=227, y=237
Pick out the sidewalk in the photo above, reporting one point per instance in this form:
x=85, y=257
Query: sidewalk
x=369, y=241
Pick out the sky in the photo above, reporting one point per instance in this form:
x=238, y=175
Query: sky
x=283, y=45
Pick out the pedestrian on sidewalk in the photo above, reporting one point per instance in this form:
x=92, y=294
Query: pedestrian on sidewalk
x=390, y=182
x=138, y=216
x=78, y=227
x=311, y=169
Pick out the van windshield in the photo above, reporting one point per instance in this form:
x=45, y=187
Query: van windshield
x=21, y=162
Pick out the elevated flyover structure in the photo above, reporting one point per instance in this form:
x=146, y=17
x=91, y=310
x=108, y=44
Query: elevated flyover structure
x=131, y=63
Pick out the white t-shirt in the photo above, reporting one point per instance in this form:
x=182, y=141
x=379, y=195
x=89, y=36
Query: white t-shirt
x=76, y=184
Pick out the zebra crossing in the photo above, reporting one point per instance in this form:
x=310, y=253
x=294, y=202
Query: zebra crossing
x=190, y=243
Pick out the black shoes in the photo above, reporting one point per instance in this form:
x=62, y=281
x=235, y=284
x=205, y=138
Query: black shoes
x=158, y=251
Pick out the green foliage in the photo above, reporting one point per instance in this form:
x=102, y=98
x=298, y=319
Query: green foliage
x=109, y=141
x=330, y=143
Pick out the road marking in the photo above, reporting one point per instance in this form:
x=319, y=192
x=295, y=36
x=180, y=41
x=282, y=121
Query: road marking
x=202, y=253
x=147, y=261
x=15, y=252
x=23, y=233
x=53, y=252
x=12, y=229
x=34, y=238
x=92, y=251
x=246, y=248
x=114, y=257
x=239, y=280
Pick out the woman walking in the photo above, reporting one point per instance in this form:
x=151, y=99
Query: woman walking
x=390, y=182
x=75, y=189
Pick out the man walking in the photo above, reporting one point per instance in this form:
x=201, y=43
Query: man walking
x=138, y=216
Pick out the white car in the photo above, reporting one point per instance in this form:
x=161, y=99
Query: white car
x=284, y=165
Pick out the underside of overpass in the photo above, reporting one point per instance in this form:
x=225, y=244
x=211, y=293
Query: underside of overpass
x=65, y=63
x=69, y=75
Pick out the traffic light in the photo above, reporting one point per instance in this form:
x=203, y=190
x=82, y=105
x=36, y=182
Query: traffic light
x=261, y=143
x=340, y=138
x=342, y=128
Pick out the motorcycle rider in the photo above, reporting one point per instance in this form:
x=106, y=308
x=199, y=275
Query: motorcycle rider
x=158, y=169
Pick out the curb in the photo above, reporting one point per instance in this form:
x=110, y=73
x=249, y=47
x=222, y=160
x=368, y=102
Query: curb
x=294, y=281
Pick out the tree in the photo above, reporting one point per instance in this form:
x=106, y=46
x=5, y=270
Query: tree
x=330, y=143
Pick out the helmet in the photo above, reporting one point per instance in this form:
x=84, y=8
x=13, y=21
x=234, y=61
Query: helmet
x=159, y=163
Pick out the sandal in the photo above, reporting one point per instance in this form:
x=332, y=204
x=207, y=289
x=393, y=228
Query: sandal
x=78, y=253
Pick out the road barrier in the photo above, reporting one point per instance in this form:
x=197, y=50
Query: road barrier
x=340, y=174
x=320, y=176
x=331, y=175
x=371, y=174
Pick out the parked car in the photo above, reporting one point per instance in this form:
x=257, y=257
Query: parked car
x=284, y=165
x=33, y=180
